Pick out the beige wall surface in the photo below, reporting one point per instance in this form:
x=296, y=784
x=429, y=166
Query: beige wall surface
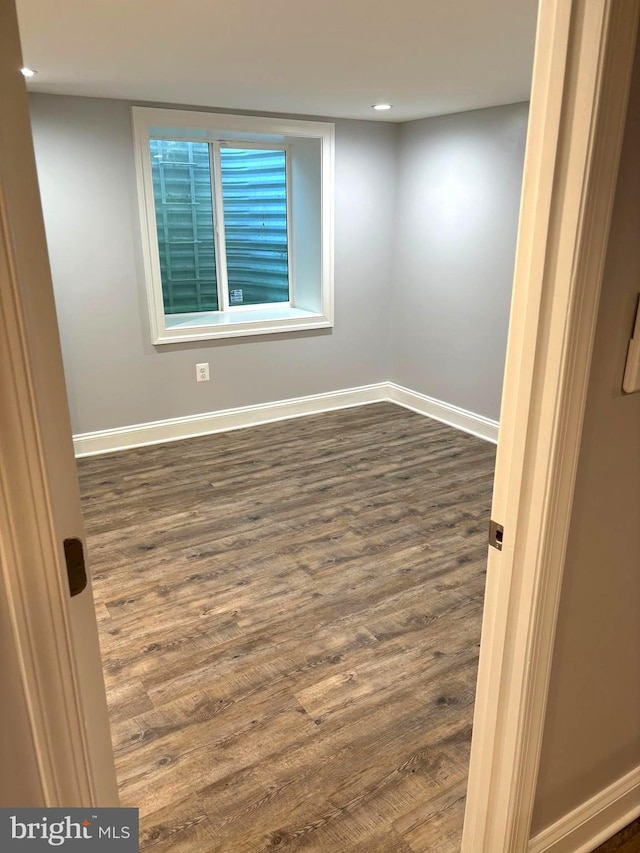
x=592, y=726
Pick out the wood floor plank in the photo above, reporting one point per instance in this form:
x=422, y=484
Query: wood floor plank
x=290, y=623
x=625, y=841
x=436, y=823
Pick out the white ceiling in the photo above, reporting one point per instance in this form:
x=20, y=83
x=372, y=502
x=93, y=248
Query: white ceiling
x=324, y=57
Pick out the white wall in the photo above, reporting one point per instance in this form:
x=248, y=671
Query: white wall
x=115, y=376
x=592, y=724
x=458, y=200
x=426, y=218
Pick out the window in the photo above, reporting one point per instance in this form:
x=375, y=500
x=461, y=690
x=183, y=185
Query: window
x=237, y=223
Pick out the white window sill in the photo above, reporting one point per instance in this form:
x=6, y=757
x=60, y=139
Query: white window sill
x=208, y=325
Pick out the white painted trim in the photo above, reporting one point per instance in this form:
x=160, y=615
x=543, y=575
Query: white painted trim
x=219, y=235
x=241, y=322
x=584, y=56
x=222, y=126
x=174, y=429
x=454, y=416
x=593, y=822
x=214, y=128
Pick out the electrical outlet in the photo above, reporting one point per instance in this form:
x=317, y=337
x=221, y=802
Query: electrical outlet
x=202, y=372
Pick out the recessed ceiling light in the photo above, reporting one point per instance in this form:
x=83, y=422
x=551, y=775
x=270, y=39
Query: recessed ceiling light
x=28, y=72
x=382, y=106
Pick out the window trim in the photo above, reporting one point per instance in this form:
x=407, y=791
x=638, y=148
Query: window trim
x=223, y=129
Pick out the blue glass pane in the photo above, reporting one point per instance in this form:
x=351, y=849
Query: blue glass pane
x=254, y=189
x=184, y=216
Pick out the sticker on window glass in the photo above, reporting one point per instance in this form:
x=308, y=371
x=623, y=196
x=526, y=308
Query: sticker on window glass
x=235, y=296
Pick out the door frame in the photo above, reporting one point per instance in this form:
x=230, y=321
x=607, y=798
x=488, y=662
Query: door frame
x=582, y=71
x=32, y=576
x=61, y=751
x=584, y=54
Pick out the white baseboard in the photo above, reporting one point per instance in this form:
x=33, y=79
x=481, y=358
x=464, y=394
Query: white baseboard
x=156, y=432
x=461, y=419
x=595, y=821
x=173, y=429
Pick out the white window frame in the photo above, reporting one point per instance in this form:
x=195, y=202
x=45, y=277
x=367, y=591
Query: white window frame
x=222, y=277
x=222, y=130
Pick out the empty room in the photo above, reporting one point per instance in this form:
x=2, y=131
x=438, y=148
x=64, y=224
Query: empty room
x=282, y=243
x=284, y=340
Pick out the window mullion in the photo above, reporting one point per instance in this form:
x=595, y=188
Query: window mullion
x=218, y=223
x=290, y=253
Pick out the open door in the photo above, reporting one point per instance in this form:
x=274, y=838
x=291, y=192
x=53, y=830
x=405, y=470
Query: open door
x=60, y=754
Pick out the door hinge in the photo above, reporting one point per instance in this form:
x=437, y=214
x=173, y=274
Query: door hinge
x=76, y=569
x=496, y=532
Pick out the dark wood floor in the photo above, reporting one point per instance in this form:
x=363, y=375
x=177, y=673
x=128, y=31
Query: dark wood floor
x=290, y=622
x=626, y=841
